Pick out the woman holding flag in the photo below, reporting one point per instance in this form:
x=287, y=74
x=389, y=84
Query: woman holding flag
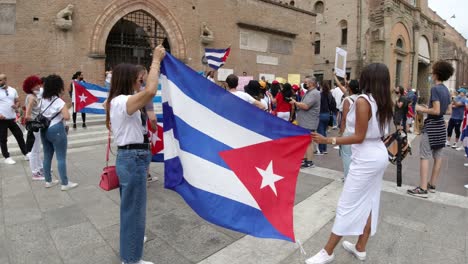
x=358, y=206
x=123, y=118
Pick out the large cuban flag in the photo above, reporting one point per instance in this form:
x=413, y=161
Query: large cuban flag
x=234, y=164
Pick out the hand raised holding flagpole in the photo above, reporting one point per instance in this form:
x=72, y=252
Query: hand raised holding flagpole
x=140, y=99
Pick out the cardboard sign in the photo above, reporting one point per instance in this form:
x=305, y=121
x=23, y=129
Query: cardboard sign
x=243, y=81
x=340, y=62
x=294, y=79
x=223, y=74
x=268, y=77
x=280, y=80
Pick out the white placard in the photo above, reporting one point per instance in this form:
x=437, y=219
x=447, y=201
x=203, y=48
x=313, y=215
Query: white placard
x=340, y=62
x=268, y=77
x=223, y=74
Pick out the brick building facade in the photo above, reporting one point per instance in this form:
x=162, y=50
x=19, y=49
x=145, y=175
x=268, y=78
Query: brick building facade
x=264, y=36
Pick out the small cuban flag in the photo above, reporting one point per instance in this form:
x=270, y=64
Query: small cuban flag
x=88, y=97
x=234, y=164
x=216, y=57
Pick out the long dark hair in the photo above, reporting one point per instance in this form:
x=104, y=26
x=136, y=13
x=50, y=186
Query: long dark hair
x=325, y=88
x=287, y=90
x=375, y=81
x=53, y=86
x=123, y=80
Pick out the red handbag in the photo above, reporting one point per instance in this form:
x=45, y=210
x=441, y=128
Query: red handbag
x=109, y=179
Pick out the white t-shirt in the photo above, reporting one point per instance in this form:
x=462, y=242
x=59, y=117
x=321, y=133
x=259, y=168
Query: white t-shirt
x=244, y=96
x=6, y=102
x=55, y=108
x=125, y=128
x=337, y=95
x=108, y=77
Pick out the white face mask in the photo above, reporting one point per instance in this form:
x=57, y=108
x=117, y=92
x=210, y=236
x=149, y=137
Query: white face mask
x=37, y=92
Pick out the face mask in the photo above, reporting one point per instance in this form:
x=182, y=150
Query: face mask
x=37, y=92
x=305, y=86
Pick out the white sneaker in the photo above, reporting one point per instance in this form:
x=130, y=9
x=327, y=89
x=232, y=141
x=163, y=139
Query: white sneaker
x=321, y=258
x=454, y=145
x=447, y=143
x=145, y=239
x=69, y=186
x=142, y=262
x=51, y=184
x=460, y=148
x=351, y=248
x=9, y=161
x=466, y=164
x=336, y=147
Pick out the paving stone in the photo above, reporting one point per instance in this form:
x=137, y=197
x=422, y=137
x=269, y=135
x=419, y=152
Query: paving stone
x=64, y=217
x=51, y=198
x=199, y=242
x=173, y=223
x=308, y=185
x=3, y=244
x=14, y=185
x=158, y=251
x=21, y=208
x=101, y=210
x=82, y=243
x=31, y=243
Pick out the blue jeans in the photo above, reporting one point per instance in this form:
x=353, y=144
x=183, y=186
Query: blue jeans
x=131, y=168
x=54, y=139
x=322, y=129
x=345, y=153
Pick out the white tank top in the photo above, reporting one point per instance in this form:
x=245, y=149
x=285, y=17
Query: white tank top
x=373, y=130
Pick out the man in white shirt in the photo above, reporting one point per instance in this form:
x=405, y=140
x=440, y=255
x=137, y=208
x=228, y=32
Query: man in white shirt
x=8, y=106
x=232, y=82
x=337, y=95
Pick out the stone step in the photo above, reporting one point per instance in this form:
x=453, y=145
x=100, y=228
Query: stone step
x=73, y=135
x=72, y=143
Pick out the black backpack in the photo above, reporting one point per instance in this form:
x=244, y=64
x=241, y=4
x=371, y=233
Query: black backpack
x=41, y=122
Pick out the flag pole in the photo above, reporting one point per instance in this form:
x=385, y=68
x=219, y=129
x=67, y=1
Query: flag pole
x=73, y=97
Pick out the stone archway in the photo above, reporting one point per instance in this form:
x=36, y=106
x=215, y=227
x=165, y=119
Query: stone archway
x=400, y=64
x=120, y=8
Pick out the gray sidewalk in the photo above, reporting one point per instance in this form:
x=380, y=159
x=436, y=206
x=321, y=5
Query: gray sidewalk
x=39, y=225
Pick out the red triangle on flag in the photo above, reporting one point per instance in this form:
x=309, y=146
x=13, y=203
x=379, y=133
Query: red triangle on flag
x=269, y=171
x=83, y=97
x=155, y=138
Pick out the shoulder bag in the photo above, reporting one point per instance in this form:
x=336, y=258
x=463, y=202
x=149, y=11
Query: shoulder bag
x=109, y=179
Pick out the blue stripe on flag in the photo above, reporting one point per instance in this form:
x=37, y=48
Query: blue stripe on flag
x=159, y=157
x=233, y=108
x=91, y=86
x=216, y=50
x=248, y=218
x=211, y=58
x=93, y=111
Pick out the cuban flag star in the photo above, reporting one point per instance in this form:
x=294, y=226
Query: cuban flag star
x=235, y=165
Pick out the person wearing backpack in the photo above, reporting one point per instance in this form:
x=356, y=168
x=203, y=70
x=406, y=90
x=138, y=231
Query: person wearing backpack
x=327, y=109
x=54, y=137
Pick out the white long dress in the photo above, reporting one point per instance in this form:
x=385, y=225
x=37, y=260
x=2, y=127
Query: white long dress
x=361, y=192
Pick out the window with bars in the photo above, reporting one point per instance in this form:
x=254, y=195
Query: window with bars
x=133, y=38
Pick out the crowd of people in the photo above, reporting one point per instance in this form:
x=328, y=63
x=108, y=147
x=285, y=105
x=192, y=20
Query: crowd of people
x=361, y=111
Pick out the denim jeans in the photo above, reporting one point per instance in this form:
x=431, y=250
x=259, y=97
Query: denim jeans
x=131, y=168
x=54, y=139
x=322, y=129
x=345, y=153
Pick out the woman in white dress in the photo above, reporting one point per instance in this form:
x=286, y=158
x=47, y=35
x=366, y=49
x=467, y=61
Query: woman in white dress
x=358, y=207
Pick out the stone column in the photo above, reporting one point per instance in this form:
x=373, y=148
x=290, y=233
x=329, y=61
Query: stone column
x=388, y=32
x=416, y=36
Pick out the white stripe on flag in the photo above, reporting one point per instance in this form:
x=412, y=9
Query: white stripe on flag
x=95, y=106
x=215, y=54
x=208, y=176
x=208, y=122
x=215, y=63
x=98, y=93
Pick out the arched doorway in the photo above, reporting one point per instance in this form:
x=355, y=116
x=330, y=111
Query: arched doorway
x=133, y=38
x=424, y=60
